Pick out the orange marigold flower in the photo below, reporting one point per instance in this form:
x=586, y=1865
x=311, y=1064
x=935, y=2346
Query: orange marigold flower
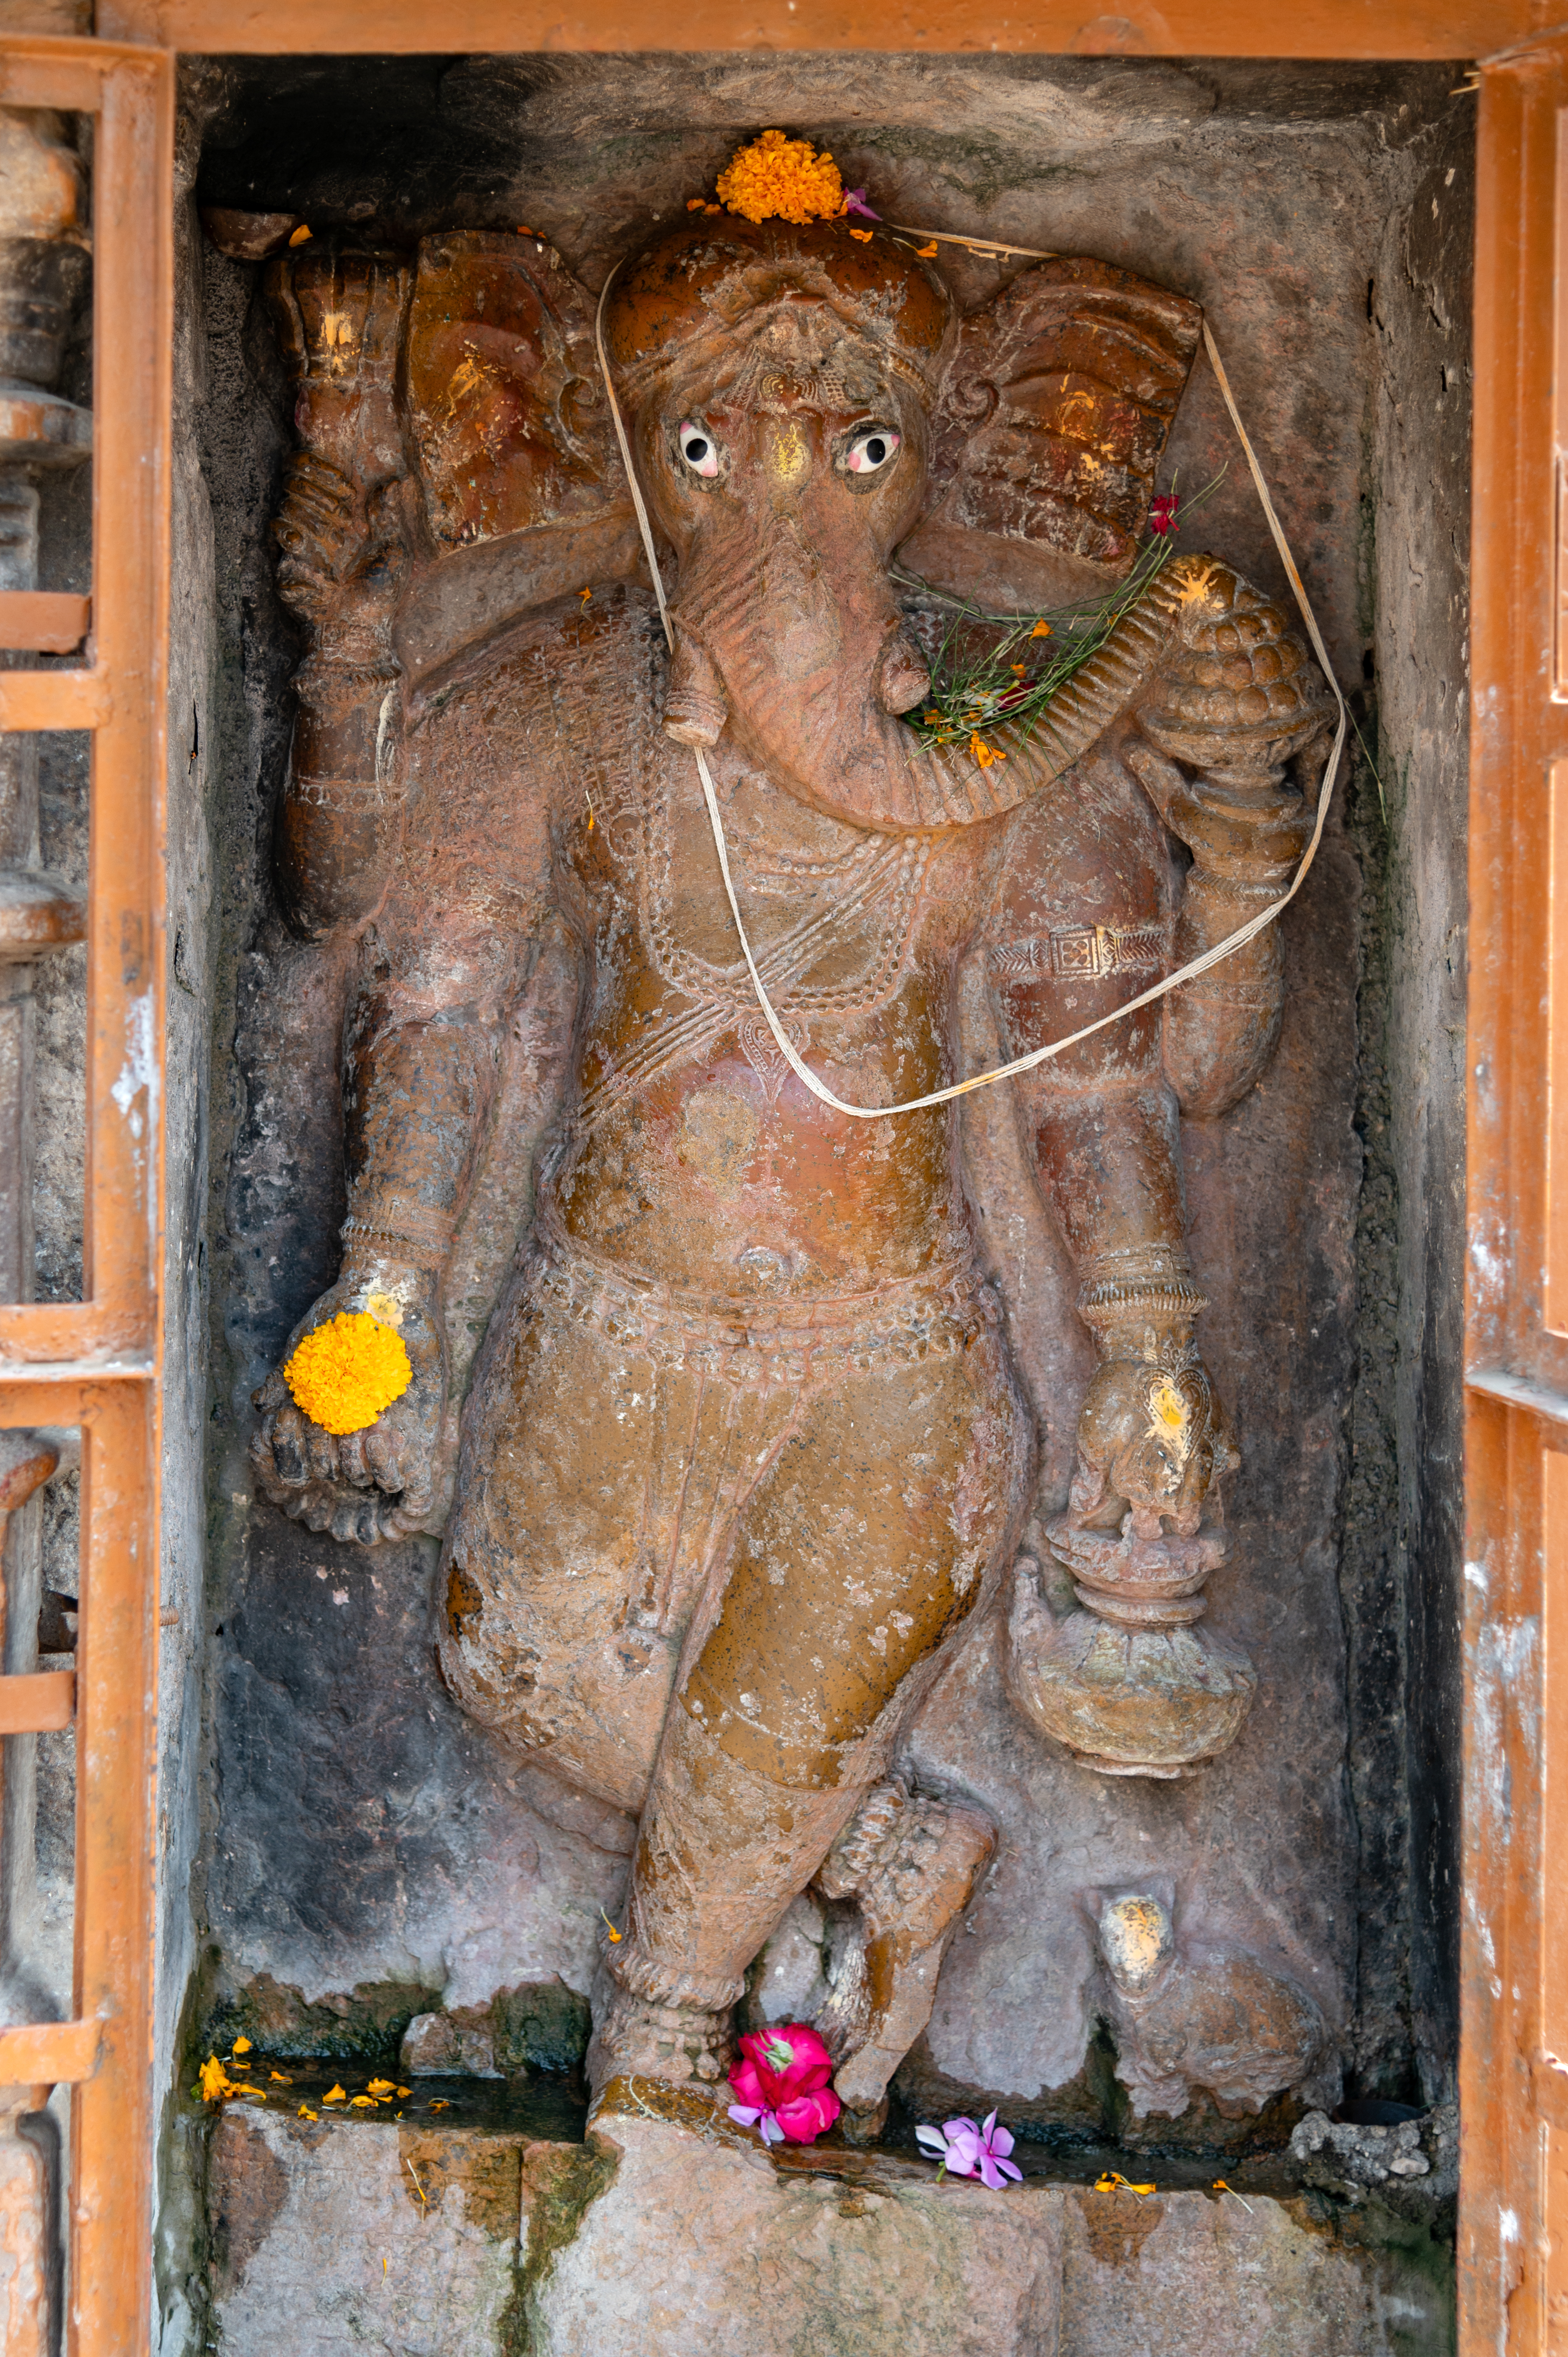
x=346, y=1371
x=777, y=178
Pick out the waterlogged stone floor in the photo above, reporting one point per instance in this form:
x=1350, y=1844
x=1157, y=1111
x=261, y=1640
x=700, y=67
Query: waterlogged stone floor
x=472, y=2219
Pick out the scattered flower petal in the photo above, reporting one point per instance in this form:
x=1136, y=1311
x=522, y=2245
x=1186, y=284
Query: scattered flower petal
x=864, y=235
x=1041, y=630
x=301, y=236
x=927, y=252
x=306, y=2113
x=335, y=2095
x=1163, y=515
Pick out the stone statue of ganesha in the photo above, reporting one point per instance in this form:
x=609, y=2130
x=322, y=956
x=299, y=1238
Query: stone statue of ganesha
x=745, y=1456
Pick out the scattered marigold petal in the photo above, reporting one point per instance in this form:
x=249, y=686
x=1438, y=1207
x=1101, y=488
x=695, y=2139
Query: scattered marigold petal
x=379, y=2087
x=695, y=204
x=404, y=2091
x=301, y=236
x=306, y=2113
x=282, y=2077
x=335, y=2095
x=215, y=2081
x=242, y=2046
x=1041, y=630
x=345, y=1373
x=523, y=230
x=361, y=2103
x=928, y=253
x=439, y=2103
x=862, y=236
x=615, y=1937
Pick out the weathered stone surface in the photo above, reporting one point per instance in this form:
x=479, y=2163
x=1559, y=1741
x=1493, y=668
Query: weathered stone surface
x=330, y=2240
x=654, y=2241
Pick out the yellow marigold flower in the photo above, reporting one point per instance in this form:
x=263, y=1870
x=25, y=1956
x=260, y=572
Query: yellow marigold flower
x=777, y=178
x=215, y=2081
x=344, y=1373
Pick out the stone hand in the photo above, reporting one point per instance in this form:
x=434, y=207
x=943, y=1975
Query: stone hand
x=1255, y=831
x=362, y=1486
x=341, y=551
x=1151, y=1439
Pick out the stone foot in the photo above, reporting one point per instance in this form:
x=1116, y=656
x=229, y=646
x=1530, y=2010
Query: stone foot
x=635, y=2038
x=909, y=1865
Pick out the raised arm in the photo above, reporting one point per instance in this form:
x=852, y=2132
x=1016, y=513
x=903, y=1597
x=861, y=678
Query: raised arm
x=1082, y=922
x=1235, y=697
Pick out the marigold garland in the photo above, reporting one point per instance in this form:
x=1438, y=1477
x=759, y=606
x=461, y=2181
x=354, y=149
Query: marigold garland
x=345, y=1373
x=777, y=178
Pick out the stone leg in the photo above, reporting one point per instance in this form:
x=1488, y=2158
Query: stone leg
x=864, y=1546
x=909, y=1864
x=596, y=1487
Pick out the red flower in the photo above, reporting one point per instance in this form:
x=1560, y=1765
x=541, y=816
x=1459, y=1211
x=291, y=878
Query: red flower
x=1162, y=513
x=788, y=2060
x=782, y=2083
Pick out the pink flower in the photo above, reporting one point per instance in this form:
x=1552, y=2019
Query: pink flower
x=782, y=2082
x=854, y=202
x=965, y=2150
x=1162, y=513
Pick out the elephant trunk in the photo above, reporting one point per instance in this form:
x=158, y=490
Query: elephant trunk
x=811, y=676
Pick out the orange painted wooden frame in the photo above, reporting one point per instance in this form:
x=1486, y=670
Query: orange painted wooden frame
x=1195, y=28
x=96, y=1364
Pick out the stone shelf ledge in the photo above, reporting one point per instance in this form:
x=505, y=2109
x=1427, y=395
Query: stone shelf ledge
x=662, y=2238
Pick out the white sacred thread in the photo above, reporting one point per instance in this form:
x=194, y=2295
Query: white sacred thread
x=1222, y=950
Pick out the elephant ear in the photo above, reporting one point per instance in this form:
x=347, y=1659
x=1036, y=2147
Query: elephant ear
x=505, y=405
x=524, y=488
x=1052, y=420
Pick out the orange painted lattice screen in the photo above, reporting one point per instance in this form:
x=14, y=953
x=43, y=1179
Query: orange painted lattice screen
x=95, y=1363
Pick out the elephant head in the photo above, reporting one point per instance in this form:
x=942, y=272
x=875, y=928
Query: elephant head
x=806, y=405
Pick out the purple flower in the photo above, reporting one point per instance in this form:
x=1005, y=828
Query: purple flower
x=763, y=2118
x=854, y=202
x=965, y=2150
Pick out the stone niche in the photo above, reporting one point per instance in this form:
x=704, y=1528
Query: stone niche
x=363, y=1856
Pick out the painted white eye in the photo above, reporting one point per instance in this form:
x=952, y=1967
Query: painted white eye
x=698, y=449
x=870, y=450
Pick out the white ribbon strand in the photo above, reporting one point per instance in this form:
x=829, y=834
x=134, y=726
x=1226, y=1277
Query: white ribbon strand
x=1222, y=950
